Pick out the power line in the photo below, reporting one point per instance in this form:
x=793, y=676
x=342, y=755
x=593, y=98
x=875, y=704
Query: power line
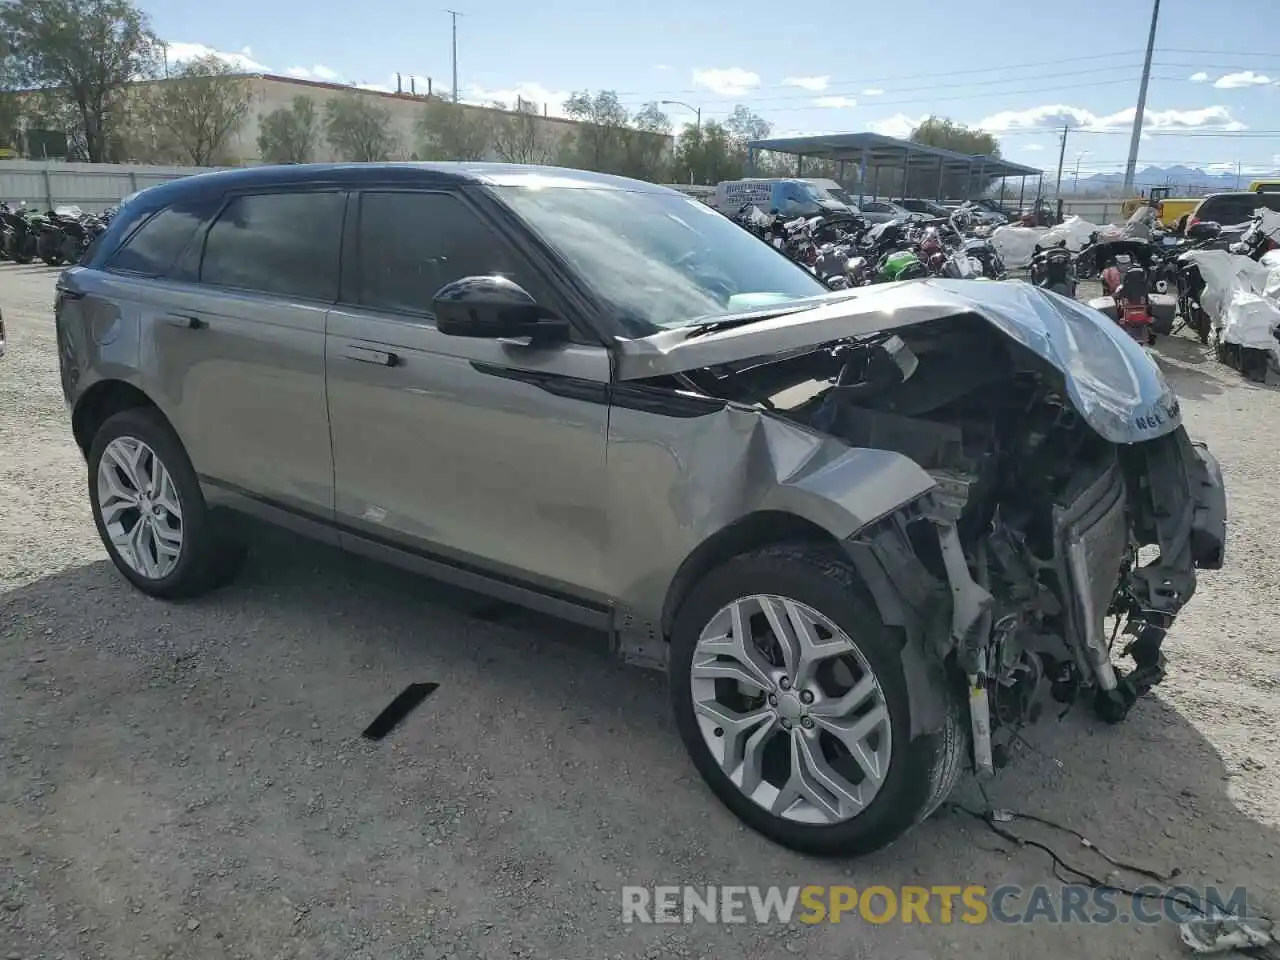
x=750, y=100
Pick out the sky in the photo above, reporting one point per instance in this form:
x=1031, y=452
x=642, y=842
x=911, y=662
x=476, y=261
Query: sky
x=1020, y=69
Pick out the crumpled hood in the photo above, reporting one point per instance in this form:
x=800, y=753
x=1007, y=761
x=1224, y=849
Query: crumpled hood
x=1111, y=380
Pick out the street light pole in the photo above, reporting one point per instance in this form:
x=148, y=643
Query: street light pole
x=453, y=14
x=1132, y=164
x=697, y=123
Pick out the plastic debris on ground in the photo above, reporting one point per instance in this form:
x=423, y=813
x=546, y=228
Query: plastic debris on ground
x=1227, y=934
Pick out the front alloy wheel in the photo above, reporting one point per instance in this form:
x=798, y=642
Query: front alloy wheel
x=140, y=507
x=790, y=695
x=791, y=710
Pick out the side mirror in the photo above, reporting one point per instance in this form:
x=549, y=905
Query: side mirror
x=494, y=307
x=1204, y=230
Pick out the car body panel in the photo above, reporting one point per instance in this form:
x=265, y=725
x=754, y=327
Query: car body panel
x=243, y=385
x=488, y=448
x=676, y=480
x=1112, y=382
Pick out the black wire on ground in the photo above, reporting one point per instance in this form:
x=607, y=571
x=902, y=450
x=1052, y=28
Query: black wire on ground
x=1060, y=865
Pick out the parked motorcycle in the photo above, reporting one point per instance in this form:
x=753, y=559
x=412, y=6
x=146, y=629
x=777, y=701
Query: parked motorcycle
x=21, y=228
x=1129, y=270
x=1054, y=269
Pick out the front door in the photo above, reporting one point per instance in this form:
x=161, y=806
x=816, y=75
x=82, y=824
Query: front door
x=480, y=451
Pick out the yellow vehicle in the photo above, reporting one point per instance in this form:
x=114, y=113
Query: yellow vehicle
x=1265, y=186
x=1168, y=209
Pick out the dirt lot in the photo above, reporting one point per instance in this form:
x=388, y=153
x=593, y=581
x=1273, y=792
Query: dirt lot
x=188, y=780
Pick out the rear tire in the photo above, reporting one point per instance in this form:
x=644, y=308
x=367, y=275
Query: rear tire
x=914, y=776
x=155, y=524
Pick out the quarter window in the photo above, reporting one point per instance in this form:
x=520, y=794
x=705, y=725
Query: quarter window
x=153, y=248
x=412, y=244
x=282, y=243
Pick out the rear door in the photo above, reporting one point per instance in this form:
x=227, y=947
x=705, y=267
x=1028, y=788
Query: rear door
x=237, y=341
x=482, y=452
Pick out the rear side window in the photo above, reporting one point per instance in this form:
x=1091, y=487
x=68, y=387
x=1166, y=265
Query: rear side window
x=412, y=244
x=282, y=243
x=1229, y=210
x=153, y=248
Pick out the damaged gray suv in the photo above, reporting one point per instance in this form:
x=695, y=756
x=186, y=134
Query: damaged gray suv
x=866, y=532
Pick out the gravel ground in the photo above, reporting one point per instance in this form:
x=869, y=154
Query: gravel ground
x=187, y=780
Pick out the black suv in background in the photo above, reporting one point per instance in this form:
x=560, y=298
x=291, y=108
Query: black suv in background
x=1232, y=208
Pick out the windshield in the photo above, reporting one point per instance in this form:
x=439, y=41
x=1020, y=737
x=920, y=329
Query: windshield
x=840, y=196
x=661, y=260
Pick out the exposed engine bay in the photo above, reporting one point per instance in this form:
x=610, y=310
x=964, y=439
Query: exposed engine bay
x=1039, y=530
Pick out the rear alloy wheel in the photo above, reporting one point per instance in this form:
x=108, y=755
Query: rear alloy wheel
x=790, y=696
x=150, y=510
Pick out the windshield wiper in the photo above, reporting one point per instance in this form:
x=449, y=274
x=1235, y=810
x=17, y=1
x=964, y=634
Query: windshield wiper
x=728, y=323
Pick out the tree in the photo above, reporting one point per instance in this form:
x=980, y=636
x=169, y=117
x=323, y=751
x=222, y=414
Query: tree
x=597, y=143
x=87, y=50
x=718, y=151
x=520, y=136
x=644, y=145
x=451, y=131
x=940, y=132
x=745, y=125
x=290, y=134
x=358, y=129
x=199, y=110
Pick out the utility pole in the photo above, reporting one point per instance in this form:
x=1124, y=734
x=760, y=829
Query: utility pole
x=454, y=14
x=1062, y=153
x=1075, y=176
x=1131, y=166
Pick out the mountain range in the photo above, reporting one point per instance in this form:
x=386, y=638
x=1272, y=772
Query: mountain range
x=1181, y=178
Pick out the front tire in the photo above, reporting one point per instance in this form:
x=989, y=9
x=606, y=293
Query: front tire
x=806, y=739
x=151, y=513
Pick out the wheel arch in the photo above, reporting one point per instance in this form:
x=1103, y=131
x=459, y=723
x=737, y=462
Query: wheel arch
x=103, y=400
x=754, y=531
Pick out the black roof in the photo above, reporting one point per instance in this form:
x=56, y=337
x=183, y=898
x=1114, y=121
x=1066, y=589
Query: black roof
x=367, y=174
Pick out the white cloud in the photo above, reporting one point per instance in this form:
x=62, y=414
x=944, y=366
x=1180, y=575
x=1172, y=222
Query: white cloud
x=731, y=82
x=176, y=52
x=1198, y=77
x=536, y=93
x=1056, y=116
x=816, y=84
x=1245, y=78
x=899, y=125
x=835, y=103
x=872, y=92
x=1033, y=146
x=318, y=72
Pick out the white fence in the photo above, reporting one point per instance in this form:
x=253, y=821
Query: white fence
x=1095, y=211
x=90, y=186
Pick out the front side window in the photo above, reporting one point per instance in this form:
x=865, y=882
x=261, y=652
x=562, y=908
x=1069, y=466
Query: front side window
x=659, y=259
x=412, y=244
x=282, y=243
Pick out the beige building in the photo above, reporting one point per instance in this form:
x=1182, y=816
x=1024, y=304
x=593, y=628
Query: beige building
x=271, y=92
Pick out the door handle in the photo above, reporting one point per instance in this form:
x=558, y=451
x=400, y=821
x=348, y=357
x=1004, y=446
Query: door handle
x=382, y=358
x=186, y=322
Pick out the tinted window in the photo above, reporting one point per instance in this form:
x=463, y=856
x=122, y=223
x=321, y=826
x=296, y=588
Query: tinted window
x=412, y=244
x=154, y=247
x=1229, y=210
x=283, y=243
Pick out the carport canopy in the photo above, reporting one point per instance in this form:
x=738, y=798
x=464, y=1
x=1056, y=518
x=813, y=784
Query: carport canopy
x=873, y=152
